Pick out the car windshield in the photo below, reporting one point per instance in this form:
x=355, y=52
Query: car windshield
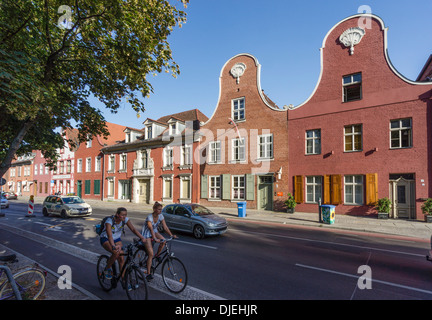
x=72, y=200
x=200, y=210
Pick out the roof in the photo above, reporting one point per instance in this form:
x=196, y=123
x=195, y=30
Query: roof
x=426, y=72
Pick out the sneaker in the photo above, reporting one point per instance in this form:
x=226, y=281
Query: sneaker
x=108, y=273
x=149, y=277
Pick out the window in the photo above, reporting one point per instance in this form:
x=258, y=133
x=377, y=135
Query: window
x=98, y=164
x=89, y=142
x=123, y=162
x=88, y=164
x=265, y=143
x=68, y=166
x=111, y=163
x=215, y=152
x=149, y=132
x=185, y=187
x=353, y=138
x=79, y=165
x=313, y=189
x=144, y=160
x=186, y=155
x=168, y=157
x=167, y=188
x=353, y=190
x=238, y=109
x=400, y=133
x=238, y=149
x=313, y=141
x=215, y=187
x=41, y=168
x=238, y=189
x=352, y=87
x=35, y=169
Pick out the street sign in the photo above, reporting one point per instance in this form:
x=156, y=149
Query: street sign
x=2, y=181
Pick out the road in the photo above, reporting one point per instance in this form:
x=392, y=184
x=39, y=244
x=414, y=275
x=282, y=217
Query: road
x=252, y=261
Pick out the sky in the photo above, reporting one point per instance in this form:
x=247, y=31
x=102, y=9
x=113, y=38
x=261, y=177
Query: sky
x=284, y=35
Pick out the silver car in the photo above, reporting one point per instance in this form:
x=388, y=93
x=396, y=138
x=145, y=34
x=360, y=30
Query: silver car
x=66, y=206
x=194, y=218
x=4, y=202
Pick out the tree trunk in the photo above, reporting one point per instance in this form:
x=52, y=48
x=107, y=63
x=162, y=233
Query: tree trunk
x=16, y=143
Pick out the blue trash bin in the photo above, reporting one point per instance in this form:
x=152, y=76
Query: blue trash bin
x=241, y=207
x=328, y=214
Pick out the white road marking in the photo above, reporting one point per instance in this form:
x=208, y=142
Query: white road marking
x=357, y=277
x=197, y=244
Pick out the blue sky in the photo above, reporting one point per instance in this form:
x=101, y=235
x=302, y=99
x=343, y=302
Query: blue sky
x=284, y=35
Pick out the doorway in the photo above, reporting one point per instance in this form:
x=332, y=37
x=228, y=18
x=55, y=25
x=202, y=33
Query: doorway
x=265, y=192
x=402, y=196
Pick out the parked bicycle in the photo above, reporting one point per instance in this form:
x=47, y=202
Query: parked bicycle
x=174, y=274
x=134, y=280
x=27, y=284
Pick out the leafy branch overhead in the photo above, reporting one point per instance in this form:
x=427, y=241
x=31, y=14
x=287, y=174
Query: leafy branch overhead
x=54, y=54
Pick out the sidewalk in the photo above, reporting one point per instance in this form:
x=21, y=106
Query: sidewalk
x=413, y=230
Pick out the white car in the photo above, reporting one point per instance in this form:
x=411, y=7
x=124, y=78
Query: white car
x=4, y=202
x=66, y=206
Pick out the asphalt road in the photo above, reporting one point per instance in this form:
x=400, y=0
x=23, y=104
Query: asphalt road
x=252, y=261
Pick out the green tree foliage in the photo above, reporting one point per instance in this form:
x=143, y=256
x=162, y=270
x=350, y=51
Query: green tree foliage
x=54, y=54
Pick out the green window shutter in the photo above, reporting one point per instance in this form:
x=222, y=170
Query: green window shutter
x=96, y=187
x=250, y=187
x=87, y=187
x=226, y=186
x=204, y=186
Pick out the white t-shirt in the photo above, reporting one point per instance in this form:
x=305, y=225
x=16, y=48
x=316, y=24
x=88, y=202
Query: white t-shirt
x=116, y=229
x=146, y=231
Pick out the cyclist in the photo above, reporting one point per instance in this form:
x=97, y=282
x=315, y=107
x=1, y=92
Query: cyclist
x=150, y=232
x=110, y=238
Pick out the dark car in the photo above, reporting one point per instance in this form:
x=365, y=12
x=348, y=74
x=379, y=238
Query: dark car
x=194, y=218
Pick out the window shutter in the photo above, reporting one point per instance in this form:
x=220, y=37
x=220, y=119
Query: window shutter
x=371, y=188
x=96, y=187
x=250, y=187
x=226, y=187
x=336, y=188
x=298, y=191
x=87, y=187
x=327, y=189
x=204, y=186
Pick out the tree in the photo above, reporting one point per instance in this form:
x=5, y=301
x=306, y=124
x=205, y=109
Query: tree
x=55, y=53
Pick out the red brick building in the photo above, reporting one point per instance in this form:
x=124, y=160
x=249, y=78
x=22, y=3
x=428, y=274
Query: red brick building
x=365, y=132
x=89, y=162
x=155, y=164
x=244, y=142
x=19, y=177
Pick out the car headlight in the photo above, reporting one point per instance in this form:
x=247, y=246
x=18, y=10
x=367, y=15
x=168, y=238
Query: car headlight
x=212, y=224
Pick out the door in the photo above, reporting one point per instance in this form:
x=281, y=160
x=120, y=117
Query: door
x=265, y=190
x=144, y=191
x=402, y=197
x=79, y=188
x=182, y=219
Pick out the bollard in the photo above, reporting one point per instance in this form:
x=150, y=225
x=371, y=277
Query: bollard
x=30, y=207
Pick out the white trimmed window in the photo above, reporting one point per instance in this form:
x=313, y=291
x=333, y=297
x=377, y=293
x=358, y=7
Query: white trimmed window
x=238, y=188
x=353, y=137
x=186, y=158
x=353, y=189
x=185, y=187
x=400, y=133
x=352, y=87
x=79, y=165
x=215, y=152
x=111, y=163
x=313, y=189
x=313, y=141
x=123, y=162
x=88, y=164
x=265, y=146
x=168, y=157
x=167, y=187
x=238, y=149
x=98, y=164
x=215, y=187
x=238, y=109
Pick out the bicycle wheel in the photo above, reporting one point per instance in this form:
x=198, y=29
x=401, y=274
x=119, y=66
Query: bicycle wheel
x=140, y=258
x=30, y=283
x=136, y=286
x=105, y=283
x=174, y=274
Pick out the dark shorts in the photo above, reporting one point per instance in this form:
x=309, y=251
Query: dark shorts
x=104, y=239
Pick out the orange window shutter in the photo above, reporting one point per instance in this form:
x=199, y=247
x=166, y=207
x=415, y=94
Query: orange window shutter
x=371, y=188
x=336, y=189
x=326, y=195
x=298, y=194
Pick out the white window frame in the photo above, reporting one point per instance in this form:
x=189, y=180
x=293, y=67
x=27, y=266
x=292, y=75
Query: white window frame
x=111, y=163
x=88, y=164
x=35, y=169
x=215, y=152
x=240, y=103
x=214, y=187
x=265, y=148
x=352, y=134
x=238, y=148
x=313, y=183
x=351, y=83
x=357, y=184
x=79, y=165
x=144, y=159
x=123, y=162
x=185, y=178
x=164, y=179
x=315, y=139
x=400, y=129
x=98, y=163
x=238, y=188
x=186, y=157
x=168, y=156
x=89, y=141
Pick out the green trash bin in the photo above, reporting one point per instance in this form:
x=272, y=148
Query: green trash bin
x=328, y=213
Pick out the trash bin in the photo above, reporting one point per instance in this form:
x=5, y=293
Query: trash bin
x=241, y=207
x=328, y=213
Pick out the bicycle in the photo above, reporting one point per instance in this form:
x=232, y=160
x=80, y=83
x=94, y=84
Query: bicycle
x=134, y=283
x=27, y=284
x=174, y=274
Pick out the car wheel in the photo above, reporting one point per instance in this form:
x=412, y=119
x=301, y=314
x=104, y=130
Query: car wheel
x=63, y=214
x=45, y=212
x=198, y=232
